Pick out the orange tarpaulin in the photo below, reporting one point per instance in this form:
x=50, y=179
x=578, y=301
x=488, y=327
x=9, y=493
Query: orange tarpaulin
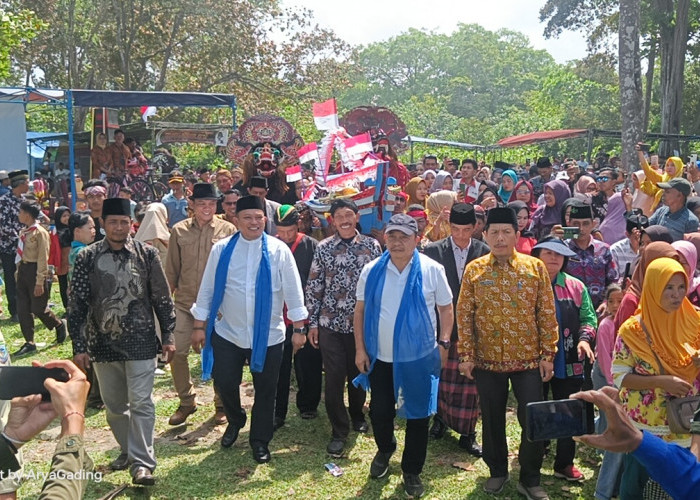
x=534, y=137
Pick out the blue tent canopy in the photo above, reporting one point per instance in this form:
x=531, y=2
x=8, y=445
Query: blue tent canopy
x=111, y=99
x=127, y=99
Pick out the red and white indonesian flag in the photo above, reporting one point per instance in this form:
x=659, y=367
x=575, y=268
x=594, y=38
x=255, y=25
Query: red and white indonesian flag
x=326, y=115
x=293, y=173
x=358, y=145
x=308, y=152
x=147, y=111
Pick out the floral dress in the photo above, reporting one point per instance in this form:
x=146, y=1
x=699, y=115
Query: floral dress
x=647, y=407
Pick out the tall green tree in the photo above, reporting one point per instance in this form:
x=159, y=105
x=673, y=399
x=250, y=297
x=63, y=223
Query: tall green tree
x=16, y=29
x=630, y=82
x=257, y=50
x=665, y=27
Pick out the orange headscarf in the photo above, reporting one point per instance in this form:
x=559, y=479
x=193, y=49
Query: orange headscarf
x=411, y=189
x=668, y=332
x=651, y=252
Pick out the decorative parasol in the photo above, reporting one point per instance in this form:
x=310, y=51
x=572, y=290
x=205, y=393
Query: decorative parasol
x=377, y=121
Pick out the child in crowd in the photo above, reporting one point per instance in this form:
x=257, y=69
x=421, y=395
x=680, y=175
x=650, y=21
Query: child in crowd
x=608, y=483
x=605, y=340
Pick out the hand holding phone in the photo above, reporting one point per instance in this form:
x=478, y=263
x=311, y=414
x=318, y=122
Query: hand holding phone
x=570, y=233
x=20, y=381
x=557, y=419
x=29, y=415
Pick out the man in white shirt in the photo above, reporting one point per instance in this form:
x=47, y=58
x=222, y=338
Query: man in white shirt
x=396, y=351
x=625, y=251
x=238, y=315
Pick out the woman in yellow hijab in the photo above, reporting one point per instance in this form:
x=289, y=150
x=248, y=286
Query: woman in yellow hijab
x=439, y=205
x=672, y=169
x=672, y=338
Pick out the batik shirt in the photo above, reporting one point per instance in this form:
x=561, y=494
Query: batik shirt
x=594, y=266
x=599, y=205
x=335, y=270
x=114, y=298
x=10, y=225
x=506, y=316
x=577, y=322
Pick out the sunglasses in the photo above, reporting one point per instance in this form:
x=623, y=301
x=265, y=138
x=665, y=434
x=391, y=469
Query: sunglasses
x=602, y=178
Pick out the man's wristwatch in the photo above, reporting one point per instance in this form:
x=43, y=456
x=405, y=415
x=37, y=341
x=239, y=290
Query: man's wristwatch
x=300, y=330
x=445, y=343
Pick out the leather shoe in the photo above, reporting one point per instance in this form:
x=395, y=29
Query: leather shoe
x=360, y=426
x=335, y=447
x=181, y=414
x=220, y=417
x=141, y=475
x=120, y=463
x=438, y=429
x=261, y=454
x=278, y=422
x=230, y=436
x=468, y=442
x=61, y=332
x=25, y=349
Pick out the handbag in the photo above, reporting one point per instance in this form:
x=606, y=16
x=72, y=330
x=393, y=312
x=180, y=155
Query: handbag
x=679, y=411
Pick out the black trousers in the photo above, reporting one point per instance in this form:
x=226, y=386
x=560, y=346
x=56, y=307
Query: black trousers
x=493, y=395
x=338, y=351
x=29, y=306
x=308, y=371
x=227, y=372
x=382, y=411
x=562, y=388
x=8, y=269
x=63, y=289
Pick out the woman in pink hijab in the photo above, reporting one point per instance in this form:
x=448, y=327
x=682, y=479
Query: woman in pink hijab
x=689, y=259
x=586, y=186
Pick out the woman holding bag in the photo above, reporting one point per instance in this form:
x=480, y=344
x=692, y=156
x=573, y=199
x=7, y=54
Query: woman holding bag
x=656, y=359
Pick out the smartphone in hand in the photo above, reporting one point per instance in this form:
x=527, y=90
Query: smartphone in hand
x=561, y=418
x=20, y=381
x=570, y=232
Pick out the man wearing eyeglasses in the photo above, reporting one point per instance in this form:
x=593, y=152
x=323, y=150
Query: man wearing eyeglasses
x=228, y=203
x=606, y=181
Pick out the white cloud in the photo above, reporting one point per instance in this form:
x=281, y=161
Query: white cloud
x=367, y=21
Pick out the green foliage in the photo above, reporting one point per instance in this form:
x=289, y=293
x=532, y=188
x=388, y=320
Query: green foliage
x=16, y=28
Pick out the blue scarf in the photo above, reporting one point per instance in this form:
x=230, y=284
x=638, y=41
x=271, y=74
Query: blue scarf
x=263, y=307
x=416, y=361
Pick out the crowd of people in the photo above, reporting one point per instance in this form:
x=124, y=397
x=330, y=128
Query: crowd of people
x=548, y=280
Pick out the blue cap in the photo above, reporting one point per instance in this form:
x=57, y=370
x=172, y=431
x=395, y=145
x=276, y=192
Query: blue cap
x=556, y=245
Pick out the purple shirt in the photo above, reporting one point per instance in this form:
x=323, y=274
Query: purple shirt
x=594, y=266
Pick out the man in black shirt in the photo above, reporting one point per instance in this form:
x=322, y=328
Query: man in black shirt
x=117, y=290
x=307, y=360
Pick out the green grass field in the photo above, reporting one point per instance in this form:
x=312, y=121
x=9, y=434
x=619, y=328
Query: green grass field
x=192, y=464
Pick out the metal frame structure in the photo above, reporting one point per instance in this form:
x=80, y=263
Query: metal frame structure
x=70, y=98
